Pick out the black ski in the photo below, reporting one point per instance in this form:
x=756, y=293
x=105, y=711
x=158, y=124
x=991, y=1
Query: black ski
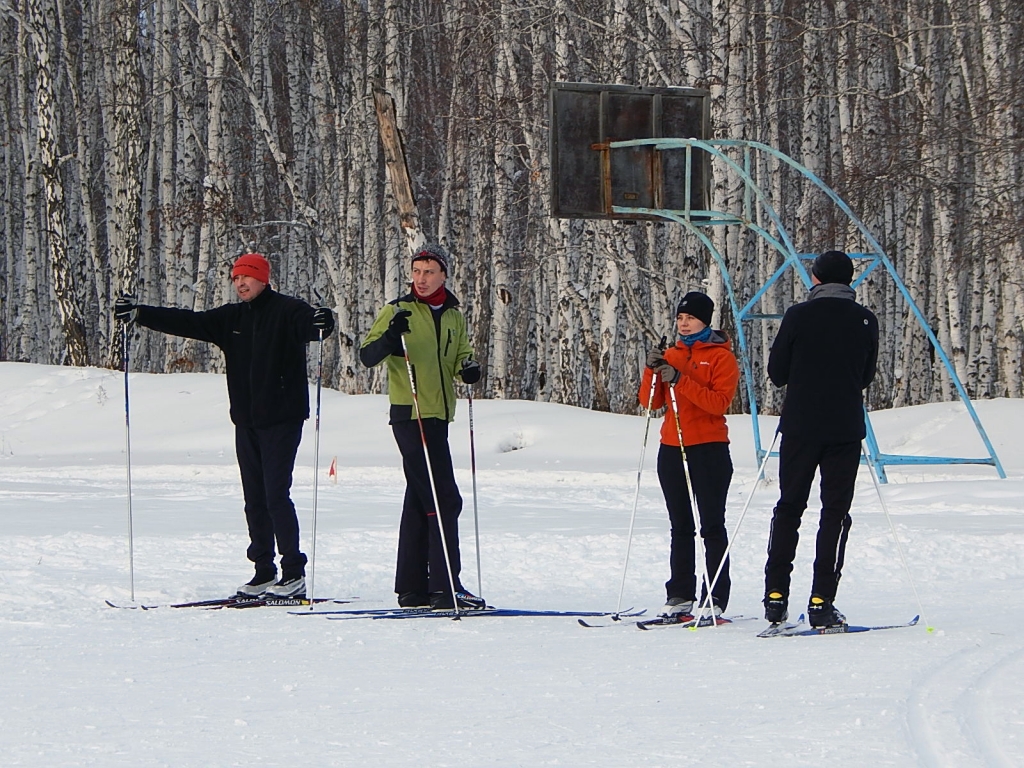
x=285, y=601
x=616, y=619
x=235, y=601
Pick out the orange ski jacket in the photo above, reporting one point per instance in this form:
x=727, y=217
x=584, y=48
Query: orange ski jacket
x=706, y=387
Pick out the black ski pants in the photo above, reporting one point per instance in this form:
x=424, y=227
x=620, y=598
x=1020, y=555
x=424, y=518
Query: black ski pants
x=421, y=564
x=710, y=468
x=798, y=460
x=266, y=459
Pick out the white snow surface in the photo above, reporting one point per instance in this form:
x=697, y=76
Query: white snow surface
x=84, y=684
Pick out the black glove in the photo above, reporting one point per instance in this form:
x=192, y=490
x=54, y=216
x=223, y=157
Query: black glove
x=399, y=324
x=668, y=374
x=470, y=372
x=125, y=308
x=323, y=320
x=654, y=357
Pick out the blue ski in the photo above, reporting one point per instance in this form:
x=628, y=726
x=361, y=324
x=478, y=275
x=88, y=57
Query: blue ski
x=801, y=630
x=411, y=613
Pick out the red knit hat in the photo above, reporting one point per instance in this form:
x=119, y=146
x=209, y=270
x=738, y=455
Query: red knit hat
x=254, y=265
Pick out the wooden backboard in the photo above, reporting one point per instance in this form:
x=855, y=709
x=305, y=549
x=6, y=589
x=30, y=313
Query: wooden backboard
x=587, y=179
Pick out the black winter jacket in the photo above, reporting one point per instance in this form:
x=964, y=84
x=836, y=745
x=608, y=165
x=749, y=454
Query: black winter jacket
x=825, y=354
x=264, y=344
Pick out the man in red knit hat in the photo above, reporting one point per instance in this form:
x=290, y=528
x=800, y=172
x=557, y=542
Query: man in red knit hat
x=264, y=340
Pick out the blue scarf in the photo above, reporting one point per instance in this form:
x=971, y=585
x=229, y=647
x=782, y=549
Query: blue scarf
x=693, y=338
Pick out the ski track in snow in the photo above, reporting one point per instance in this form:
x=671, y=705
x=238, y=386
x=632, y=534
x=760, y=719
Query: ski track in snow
x=953, y=710
x=86, y=685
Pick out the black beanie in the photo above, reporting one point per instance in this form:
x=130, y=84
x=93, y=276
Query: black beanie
x=697, y=304
x=833, y=267
x=435, y=252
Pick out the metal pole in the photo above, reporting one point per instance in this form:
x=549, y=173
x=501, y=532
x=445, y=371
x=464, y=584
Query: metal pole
x=690, y=492
x=895, y=537
x=316, y=467
x=430, y=475
x=128, y=461
x=636, y=494
x=472, y=469
x=739, y=522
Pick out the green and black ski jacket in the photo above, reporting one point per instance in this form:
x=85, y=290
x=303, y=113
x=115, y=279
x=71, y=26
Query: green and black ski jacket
x=437, y=344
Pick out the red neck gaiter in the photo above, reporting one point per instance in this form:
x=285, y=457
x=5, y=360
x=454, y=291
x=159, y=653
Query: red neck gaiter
x=436, y=299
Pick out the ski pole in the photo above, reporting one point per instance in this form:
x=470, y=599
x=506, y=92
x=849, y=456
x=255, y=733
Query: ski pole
x=316, y=467
x=128, y=462
x=430, y=476
x=736, y=530
x=472, y=470
x=692, y=494
x=896, y=538
x=636, y=495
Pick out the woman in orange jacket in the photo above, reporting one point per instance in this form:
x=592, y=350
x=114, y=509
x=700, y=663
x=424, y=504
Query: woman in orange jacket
x=702, y=371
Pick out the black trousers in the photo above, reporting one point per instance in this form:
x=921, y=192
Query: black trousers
x=710, y=468
x=798, y=460
x=266, y=459
x=421, y=564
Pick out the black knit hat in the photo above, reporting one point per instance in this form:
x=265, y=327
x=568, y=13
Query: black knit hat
x=833, y=267
x=697, y=304
x=433, y=251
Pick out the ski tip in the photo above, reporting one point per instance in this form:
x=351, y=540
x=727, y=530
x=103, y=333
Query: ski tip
x=132, y=606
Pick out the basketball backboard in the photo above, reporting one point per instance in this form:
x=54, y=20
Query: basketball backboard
x=587, y=178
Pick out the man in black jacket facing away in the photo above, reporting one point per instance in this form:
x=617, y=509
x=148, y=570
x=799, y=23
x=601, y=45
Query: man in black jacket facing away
x=264, y=340
x=825, y=354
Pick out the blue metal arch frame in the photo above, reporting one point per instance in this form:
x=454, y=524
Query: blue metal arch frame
x=697, y=221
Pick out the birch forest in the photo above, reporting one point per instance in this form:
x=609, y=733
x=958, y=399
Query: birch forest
x=148, y=143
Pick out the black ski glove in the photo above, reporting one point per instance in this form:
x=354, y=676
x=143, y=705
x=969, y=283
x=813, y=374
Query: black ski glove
x=654, y=357
x=125, y=308
x=323, y=320
x=668, y=374
x=470, y=372
x=399, y=324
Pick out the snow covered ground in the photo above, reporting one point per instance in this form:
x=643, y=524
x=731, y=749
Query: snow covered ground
x=87, y=685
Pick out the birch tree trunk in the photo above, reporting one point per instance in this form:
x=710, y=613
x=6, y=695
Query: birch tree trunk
x=123, y=129
x=42, y=19
x=31, y=335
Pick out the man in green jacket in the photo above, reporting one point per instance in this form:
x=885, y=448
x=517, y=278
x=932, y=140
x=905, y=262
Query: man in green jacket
x=434, y=332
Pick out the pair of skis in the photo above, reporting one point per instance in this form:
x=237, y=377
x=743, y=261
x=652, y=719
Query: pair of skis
x=684, y=620
x=413, y=613
x=782, y=629
x=801, y=629
x=235, y=601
